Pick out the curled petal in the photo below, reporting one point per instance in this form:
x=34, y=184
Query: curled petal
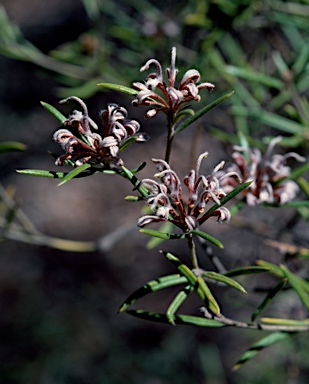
x=191, y=76
x=159, y=74
x=147, y=219
x=208, y=86
x=66, y=139
x=190, y=90
x=223, y=214
x=286, y=192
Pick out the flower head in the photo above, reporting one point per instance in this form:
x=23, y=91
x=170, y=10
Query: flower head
x=268, y=173
x=170, y=99
x=166, y=199
x=92, y=147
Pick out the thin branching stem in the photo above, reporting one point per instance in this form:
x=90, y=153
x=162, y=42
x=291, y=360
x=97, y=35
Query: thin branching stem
x=259, y=326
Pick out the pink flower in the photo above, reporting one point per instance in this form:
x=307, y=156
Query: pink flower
x=267, y=172
x=170, y=99
x=92, y=147
x=166, y=200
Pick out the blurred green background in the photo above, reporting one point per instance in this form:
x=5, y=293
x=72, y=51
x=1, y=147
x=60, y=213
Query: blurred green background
x=59, y=322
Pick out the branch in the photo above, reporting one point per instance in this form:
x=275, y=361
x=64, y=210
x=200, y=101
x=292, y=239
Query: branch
x=258, y=326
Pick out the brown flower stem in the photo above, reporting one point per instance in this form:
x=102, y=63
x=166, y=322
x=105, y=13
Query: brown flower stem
x=193, y=253
x=170, y=137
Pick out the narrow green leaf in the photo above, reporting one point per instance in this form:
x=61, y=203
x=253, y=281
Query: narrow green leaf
x=224, y=279
x=295, y=204
x=162, y=235
x=207, y=237
x=271, y=339
x=304, y=185
x=58, y=115
x=75, y=172
x=178, y=319
x=292, y=323
x=120, y=88
x=197, y=282
x=300, y=286
x=271, y=119
x=269, y=297
x=202, y=112
x=184, y=113
x=153, y=286
x=41, y=173
x=256, y=77
x=227, y=198
x=247, y=271
x=134, y=180
x=272, y=268
x=177, y=302
x=11, y=146
x=155, y=241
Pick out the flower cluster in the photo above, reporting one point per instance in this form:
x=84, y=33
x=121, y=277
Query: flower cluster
x=92, y=147
x=167, y=202
x=172, y=99
x=268, y=174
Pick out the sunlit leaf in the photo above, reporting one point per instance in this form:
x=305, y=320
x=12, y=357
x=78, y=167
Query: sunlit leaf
x=119, y=88
x=42, y=173
x=289, y=322
x=224, y=279
x=153, y=286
